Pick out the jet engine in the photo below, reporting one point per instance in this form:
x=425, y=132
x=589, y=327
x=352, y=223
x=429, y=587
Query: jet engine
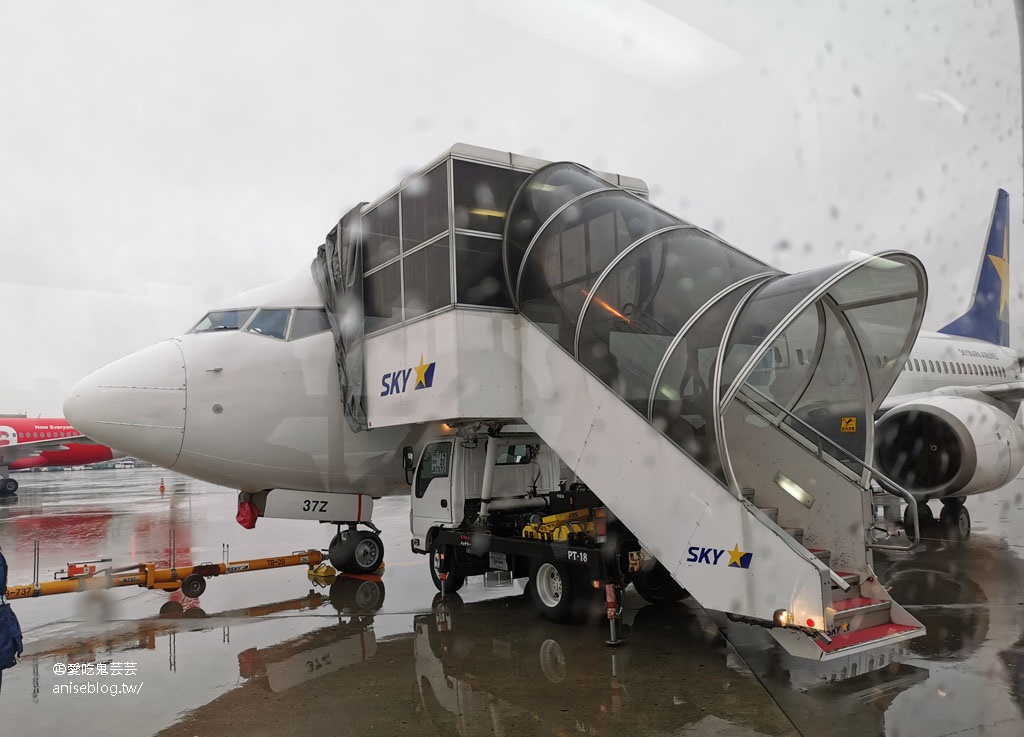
x=943, y=446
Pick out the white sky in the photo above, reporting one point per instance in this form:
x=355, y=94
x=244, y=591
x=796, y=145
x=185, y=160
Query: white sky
x=158, y=156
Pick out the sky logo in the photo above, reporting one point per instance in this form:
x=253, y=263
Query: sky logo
x=711, y=556
x=397, y=382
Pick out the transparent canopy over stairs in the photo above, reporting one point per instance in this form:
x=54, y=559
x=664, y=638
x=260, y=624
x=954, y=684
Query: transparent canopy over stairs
x=721, y=409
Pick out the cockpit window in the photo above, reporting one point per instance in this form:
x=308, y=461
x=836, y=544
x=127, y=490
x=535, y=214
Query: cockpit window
x=308, y=321
x=270, y=322
x=222, y=320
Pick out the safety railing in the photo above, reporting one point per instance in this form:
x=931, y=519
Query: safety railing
x=885, y=483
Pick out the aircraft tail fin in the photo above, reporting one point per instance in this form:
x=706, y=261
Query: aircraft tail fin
x=988, y=318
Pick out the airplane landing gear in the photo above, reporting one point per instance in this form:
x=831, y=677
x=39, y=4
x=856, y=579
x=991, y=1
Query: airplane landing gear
x=955, y=519
x=8, y=487
x=356, y=551
x=924, y=516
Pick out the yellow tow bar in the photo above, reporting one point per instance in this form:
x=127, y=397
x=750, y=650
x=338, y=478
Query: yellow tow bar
x=190, y=579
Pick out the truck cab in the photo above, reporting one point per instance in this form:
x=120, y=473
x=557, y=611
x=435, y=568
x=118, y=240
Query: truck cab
x=448, y=481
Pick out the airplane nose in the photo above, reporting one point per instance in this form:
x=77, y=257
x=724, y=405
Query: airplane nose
x=135, y=404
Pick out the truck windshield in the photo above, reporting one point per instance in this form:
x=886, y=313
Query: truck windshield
x=222, y=320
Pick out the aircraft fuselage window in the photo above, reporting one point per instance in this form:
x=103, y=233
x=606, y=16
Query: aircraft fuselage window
x=222, y=320
x=272, y=323
x=917, y=366
x=308, y=321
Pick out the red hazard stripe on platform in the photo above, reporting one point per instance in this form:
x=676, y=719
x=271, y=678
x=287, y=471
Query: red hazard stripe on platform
x=854, y=603
x=860, y=637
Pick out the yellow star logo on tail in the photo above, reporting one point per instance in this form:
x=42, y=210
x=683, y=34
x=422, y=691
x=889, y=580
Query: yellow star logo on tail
x=1002, y=267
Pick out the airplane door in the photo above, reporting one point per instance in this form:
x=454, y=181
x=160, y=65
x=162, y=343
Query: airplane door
x=432, y=487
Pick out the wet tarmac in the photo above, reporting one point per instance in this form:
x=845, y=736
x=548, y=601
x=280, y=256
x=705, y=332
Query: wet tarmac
x=270, y=653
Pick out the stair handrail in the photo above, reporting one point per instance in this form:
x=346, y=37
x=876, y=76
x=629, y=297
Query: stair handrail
x=885, y=483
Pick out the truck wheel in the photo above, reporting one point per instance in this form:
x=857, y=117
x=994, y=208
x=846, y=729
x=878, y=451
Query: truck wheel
x=657, y=586
x=455, y=575
x=193, y=586
x=551, y=589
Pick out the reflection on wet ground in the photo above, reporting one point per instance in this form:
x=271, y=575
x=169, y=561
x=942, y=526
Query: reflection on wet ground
x=270, y=653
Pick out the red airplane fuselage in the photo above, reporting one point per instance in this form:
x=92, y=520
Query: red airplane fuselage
x=18, y=430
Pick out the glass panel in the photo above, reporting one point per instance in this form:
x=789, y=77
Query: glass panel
x=683, y=403
x=567, y=259
x=427, y=279
x=653, y=291
x=483, y=195
x=779, y=375
x=273, y=323
x=434, y=464
x=382, y=298
x=515, y=455
x=222, y=320
x=834, y=394
x=878, y=278
x=883, y=329
x=380, y=233
x=425, y=207
x=764, y=311
x=308, y=321
x=545, y=191
x=478, y=272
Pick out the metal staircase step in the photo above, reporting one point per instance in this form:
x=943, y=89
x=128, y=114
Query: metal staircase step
x=851, y=578
x=859, y=613
x=771, y=513
x=869, y=637
x=797, y=533
x=825, y=556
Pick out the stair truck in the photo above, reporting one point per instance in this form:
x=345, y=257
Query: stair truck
x=496, y=499
x=713, y=413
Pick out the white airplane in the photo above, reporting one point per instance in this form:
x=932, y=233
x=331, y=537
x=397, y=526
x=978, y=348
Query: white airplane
x=263, y=411
x=949, y=428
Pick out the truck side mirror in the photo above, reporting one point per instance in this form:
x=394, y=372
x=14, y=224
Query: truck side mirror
x=408, y=462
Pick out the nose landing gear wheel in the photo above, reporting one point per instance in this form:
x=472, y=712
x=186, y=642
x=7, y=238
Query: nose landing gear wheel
x=356, y=551
x=8, y=487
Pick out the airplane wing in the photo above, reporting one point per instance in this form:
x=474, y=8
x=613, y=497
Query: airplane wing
x=11, y=453
x=1010, y=392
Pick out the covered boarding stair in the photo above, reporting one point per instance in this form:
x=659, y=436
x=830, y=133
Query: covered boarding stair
x=721, y=409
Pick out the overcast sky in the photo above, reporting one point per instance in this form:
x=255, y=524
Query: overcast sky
x=156, y=157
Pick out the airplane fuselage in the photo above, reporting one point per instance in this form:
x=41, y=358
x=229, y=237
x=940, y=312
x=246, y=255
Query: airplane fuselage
x=238, y=405
x=19, y=431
